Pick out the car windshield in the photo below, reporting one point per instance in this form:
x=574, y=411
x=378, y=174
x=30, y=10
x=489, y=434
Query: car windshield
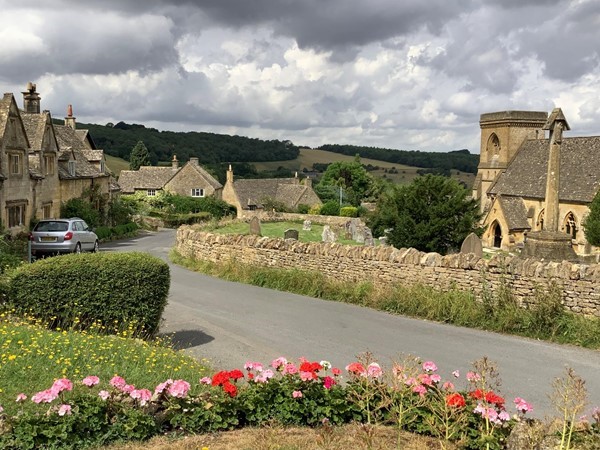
x=52, y=225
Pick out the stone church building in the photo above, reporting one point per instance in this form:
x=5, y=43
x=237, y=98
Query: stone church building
x=511, y=179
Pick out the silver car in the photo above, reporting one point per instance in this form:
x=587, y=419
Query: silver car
x=55, y=236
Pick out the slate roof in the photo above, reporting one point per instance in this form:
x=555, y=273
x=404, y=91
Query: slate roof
x=83, y=168
x=67, y=137
x=207, y=176
x=515, y=212
x=93, y=155
x=35, y=126
x=255, y=191
x=147, y=177
x=579, y=170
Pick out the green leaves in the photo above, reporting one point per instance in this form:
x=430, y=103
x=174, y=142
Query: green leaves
x=592, y=222
x=140, y=156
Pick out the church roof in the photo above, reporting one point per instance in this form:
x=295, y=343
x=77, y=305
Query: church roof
x=515, y=212
x=579, y=170
x=255, y=191
x=147, y=177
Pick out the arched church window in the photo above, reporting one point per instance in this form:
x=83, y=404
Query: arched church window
x=570, y=225
x=493, y=145
x=497, y=234
x=540, y=220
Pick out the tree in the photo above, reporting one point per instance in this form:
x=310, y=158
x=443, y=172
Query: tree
x=140, y=156
x=433, y=214
x=592, y=222
x=352, y=177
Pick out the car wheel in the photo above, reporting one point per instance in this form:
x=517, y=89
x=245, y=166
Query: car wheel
x=78, y=248
x=95, y=250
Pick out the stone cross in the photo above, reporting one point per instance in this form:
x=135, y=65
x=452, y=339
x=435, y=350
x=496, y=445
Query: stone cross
x=556, y=123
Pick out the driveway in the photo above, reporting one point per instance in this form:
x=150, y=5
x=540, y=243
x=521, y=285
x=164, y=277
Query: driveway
x=229, y=323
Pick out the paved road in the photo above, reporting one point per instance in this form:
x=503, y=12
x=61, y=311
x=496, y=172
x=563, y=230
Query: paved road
x=230, y=323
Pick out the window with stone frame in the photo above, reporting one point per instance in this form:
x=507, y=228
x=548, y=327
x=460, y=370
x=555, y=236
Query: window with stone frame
x=16, y=215
x=15, y=164
x=72, y=168
x=47, y=211
x=48, y=164
x=151, y=192
x=570, y=225
x=197, y=192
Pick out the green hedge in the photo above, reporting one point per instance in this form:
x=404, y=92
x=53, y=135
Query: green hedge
x=117, y=290
x=349, y=211
x=116, y=232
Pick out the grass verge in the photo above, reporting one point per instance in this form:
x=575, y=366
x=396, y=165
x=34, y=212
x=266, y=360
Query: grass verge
x=498, y=311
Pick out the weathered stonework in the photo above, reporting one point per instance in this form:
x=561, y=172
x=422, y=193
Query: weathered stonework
x=579, y=283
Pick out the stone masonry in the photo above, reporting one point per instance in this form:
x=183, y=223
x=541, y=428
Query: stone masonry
x=579, y=283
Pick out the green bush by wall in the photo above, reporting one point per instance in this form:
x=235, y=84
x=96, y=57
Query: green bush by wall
x=117, y=290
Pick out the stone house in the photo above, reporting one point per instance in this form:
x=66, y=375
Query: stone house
x=41, y=164
x=190, y=180
x=249, y=195
x=511, y=179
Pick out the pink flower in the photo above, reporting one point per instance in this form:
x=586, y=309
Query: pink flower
x=456, y=374
x=504, y=416
x=103, y=395
x=206, y=380
x=429, y=366
x=290, y=369
x=374, y=370
x=162, y=386
x=264, y=376
x=435, y=378
x=278, y=362
x=250, y=365
x=335, y=371
x=356, y=368
x=21, y=397
x=419, y=389
x=522, y=405
x=64, y=409
x=128, y=388
x=62, y=384
x=307, y=376
x=425, y=379
x=46, y=396
x=143, y=395
x=91, y=381
x=473, y=376
x=447, y=386
x=297, y=394
x=179, y=388
x=328, y=382
x=117, y=382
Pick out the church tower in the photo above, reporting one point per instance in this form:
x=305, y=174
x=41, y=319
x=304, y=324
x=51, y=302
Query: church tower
x=502, y=134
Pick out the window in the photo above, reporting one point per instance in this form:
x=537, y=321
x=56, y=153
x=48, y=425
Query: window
x=16, y=215
x=47, y=211
x=197, y=192
x=102, y=167
x=72, y=168
x=151, y=192
x=49, y=165
x=570, y=225
x=15, y=164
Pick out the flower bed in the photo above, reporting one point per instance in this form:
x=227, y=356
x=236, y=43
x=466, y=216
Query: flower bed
x=412, y=395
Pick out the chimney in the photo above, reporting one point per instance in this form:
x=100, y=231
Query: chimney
x=31, y=99
x=70, y=119
x=194, y=161
x=307, y=182
x=175, y=163
x=230, y=174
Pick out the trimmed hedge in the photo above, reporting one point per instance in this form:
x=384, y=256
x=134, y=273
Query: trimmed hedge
x=116, y=232
x=117, y=290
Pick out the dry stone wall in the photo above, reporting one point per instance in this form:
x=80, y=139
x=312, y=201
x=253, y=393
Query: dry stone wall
x=578, y=283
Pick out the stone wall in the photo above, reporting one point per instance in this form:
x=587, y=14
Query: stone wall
x=579, y=283
x=270, y=216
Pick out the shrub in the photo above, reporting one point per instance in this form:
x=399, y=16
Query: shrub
x=82, y=208
x=303, y=209
x=81, y=290
x=330, y=208
x=349, y=211
x=315, y=210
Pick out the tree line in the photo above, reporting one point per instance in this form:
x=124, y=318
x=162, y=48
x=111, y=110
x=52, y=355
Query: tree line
x=461, y=160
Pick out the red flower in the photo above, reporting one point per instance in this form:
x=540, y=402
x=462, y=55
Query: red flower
x=455, y=400
x=250, y=376
x=493, y=398
x=477, y=394
x=356, y=368
x=236, y=374
x=230, y=389
x=220, y=378
x=310, y=367
x=336, y=371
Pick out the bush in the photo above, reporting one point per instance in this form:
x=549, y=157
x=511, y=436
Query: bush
x=315, y=210
x=303, y=209
x=349, y=211
x=80, y=207
x=176, y=220
x=330, y=208
x=80, y=290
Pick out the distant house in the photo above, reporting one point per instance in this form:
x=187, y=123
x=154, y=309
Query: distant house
x=251, y=194
x=190, y=180
x=41, y=164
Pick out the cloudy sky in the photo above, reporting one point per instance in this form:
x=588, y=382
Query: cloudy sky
x=404, y=74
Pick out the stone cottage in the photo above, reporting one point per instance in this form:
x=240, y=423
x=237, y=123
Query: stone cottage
x=511, y=179
x=249, y=195
x=190, y=180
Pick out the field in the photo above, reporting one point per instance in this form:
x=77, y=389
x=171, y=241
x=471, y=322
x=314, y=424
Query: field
x=115, y=165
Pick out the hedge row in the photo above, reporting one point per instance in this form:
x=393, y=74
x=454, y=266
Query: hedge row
x=110, y=289
x=116, y=232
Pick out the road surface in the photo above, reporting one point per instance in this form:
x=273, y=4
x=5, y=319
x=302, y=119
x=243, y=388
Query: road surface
x=230, y=323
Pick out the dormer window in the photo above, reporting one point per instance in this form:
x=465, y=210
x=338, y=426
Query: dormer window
x=72, y=168
x=49, y=165
x=15, y=164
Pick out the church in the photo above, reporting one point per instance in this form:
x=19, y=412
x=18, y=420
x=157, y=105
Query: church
x=512, y=173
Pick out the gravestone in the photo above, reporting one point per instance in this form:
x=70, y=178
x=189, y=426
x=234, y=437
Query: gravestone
x=368, y=237
x=328, y=235
x=383, y=241
x=291, y=234
x=255, y=226
x=307, y=225
x=356, y=231
x=472, y=244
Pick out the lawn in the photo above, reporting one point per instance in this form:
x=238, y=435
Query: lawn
x=277, y=230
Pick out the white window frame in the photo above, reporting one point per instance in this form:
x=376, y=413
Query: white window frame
x=197, y=192
x=18, y=209
x=151, y=192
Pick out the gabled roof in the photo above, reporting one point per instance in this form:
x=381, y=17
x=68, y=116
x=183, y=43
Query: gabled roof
x=6, y=104
x=93, y=155
x=35, y=127
x=514, y=212
x=290, y=194
x=207, y=176
x=255, y=191
x=83, y=168
x=85, y=136
x=579, y=170
x=147, y=177
x=68, y=138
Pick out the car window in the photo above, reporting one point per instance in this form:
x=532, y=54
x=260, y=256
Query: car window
x=52, y=226
x=84, y=225
x=78, y=226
